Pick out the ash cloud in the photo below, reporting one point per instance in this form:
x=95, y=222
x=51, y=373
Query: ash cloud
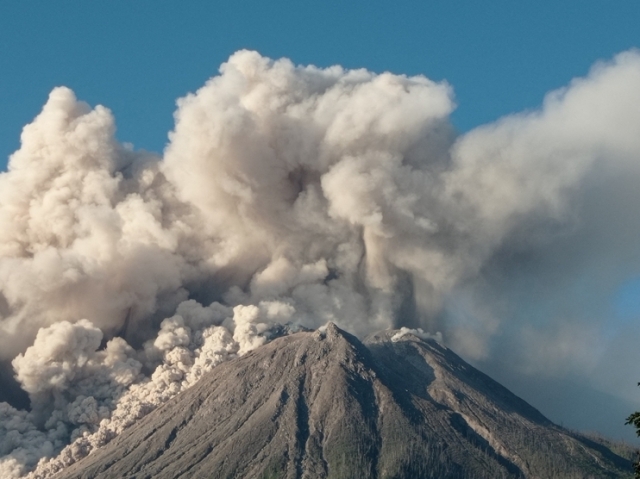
x=288, y=197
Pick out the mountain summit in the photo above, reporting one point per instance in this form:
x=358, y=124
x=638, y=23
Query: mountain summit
x=325, y=405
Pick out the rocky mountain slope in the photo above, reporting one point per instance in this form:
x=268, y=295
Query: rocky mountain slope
x=325, y=405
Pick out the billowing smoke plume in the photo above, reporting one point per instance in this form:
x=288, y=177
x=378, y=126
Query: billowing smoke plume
x=287, y=197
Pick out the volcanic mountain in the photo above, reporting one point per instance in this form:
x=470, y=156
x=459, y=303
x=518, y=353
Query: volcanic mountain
x=325, y=405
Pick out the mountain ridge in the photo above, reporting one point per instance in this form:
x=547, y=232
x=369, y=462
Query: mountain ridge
x=324, y=404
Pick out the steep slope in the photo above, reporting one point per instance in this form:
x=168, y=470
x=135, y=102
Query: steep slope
x=325, y=405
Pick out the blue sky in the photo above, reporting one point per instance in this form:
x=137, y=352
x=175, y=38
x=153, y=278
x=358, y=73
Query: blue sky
x=138, y=57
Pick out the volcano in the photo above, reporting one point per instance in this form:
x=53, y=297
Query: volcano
x=324, y=404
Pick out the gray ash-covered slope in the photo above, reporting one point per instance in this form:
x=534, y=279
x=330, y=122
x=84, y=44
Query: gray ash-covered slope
x=325, y=405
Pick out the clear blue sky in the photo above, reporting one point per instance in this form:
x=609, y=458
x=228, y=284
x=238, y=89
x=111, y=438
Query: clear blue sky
x=137, y=57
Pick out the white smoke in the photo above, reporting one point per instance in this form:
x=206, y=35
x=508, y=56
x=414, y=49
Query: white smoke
x=419, y=332
x=286, y=196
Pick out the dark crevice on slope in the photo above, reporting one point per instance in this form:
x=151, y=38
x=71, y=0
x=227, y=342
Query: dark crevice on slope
x=477, y=441
x=606, y=453
x=302, y=432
